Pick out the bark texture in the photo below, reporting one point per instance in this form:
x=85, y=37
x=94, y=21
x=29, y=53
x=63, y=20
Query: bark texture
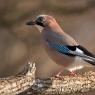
x=28, y=85
x=17, y=84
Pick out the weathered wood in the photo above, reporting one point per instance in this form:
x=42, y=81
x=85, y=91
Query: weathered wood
x=67, y=84
x=16, y=84
x=27, y=85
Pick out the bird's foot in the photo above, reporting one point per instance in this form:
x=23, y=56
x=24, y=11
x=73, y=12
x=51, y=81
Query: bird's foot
x=72, y=73
x=58, y=76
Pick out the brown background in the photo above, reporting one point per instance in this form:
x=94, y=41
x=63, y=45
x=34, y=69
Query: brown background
x=20, y=43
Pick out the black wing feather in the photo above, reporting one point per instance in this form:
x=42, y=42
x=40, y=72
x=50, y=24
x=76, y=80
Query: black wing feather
x=85, y=51
x=74, y=51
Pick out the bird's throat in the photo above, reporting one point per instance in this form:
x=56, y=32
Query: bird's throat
x=40, y=28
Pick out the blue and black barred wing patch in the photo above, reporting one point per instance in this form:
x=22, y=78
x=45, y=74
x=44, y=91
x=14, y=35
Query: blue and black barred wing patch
x=64, y=49
x=74, y=51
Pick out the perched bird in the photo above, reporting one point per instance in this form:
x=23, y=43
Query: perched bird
x=61, y=47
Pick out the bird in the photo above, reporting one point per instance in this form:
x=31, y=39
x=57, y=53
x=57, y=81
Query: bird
x=60, y=46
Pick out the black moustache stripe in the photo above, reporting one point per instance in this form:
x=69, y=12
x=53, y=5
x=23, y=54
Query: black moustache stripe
x=39, y=23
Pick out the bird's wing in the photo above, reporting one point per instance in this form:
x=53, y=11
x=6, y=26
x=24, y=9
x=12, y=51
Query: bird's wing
x=73, y=51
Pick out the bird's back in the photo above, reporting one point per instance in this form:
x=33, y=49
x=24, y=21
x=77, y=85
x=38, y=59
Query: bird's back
x=55, y=37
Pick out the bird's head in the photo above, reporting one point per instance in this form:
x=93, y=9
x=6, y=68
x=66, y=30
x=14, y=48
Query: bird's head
x=42, y=21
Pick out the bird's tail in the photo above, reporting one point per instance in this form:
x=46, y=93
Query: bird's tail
x=91, y=62
x=86, y=55
x=89, y=59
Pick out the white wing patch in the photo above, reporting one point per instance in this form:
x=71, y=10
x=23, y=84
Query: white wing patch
x=79, y=51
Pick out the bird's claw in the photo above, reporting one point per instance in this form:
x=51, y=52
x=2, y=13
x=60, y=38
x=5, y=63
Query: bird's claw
x=58, y=76
x=71, y=73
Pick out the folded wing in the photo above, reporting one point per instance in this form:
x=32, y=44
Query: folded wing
x=73, y=51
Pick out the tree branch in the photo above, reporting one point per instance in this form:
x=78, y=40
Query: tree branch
x=17, y=84
x=68, y=84
x=27, y=85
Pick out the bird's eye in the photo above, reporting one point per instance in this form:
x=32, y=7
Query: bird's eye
x=40, y=19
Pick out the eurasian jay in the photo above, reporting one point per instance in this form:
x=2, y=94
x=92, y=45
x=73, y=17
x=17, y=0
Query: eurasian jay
x=61, y=47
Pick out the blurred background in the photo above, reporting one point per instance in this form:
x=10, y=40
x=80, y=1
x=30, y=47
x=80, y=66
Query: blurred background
x=20, y=43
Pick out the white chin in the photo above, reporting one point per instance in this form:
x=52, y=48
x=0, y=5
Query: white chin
x=40, y=28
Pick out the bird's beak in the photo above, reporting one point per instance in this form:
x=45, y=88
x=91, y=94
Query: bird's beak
x=31, y=23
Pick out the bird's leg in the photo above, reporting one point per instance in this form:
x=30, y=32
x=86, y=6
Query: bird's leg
x=58, y=75
x=72, y=73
